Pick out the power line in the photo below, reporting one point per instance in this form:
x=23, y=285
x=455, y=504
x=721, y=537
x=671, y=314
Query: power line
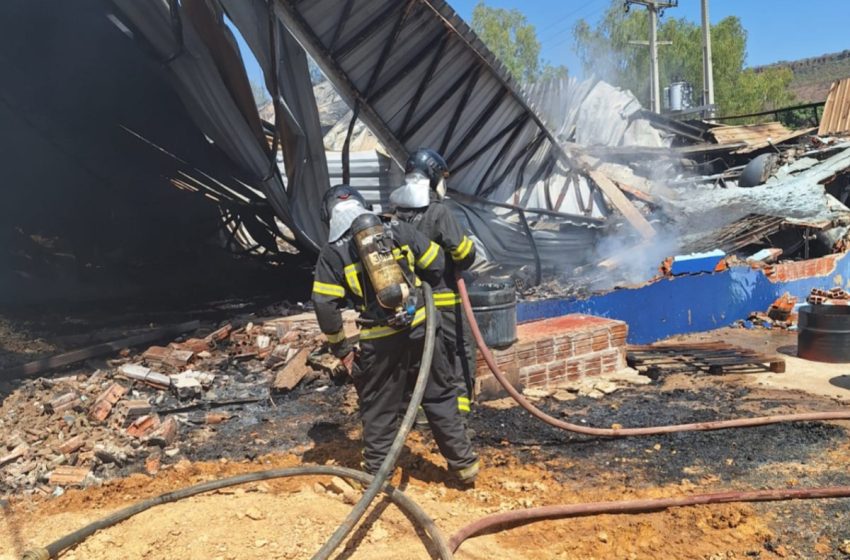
x=565, y=34
x=653, y=7
x=565, y=18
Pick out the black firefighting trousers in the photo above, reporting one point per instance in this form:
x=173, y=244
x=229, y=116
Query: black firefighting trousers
x=384, y=380
x=460, y=350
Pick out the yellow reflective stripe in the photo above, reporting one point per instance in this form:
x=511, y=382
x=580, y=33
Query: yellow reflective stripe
x=324, y=289
x=380, y=332
x=463, y=404
x=446, y=299
x=335, y=337
x=429, y=256
x=419, y=317
x=463, y=249
x=352, y=277
x=407, y=253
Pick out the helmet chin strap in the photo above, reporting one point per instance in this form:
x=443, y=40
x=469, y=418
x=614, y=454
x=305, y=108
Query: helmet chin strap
x=441, y=189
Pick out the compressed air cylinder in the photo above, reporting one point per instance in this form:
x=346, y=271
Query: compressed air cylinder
x=383, y=270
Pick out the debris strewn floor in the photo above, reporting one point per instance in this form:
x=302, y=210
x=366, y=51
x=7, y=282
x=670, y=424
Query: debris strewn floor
x=527, y=464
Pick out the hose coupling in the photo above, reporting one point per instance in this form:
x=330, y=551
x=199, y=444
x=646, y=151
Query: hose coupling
x=36, y=554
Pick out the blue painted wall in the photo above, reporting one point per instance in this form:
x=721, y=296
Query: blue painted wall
x=686, y=304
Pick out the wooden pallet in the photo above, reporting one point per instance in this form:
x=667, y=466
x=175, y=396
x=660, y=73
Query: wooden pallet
x=714, y=358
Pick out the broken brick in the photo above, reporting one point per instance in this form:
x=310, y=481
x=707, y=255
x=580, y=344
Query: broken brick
x=179, y=358
x=105, y=401
x=152, y=464
x=156, y=354
x=294, y=371
x=128, y=411
x=165, y=434
x=71, y=445
x=63, y=402
x=143, y=425
x=18, y=452
x=219, y=334
x=195, y=345
x=68, y=476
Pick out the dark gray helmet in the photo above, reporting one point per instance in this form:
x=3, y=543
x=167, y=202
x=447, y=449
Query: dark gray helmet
x=337, y=194
x=429, y=163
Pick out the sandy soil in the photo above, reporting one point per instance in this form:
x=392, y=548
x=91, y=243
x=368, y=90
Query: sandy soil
x=292, y=518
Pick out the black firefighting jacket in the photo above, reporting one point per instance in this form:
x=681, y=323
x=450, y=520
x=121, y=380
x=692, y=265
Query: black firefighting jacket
x=438, y=224
x=340, y=281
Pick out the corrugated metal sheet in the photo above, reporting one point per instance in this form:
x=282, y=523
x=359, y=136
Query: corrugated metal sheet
x=420, y=77
x=593, y=113
x=836, y=112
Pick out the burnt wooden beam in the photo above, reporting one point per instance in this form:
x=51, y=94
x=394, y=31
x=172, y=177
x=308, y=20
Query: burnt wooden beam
x=46, y=364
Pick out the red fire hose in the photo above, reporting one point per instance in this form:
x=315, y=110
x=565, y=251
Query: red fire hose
x=623, y=432
x=498, y=521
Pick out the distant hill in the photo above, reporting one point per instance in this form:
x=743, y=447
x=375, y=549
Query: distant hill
x=813, y=76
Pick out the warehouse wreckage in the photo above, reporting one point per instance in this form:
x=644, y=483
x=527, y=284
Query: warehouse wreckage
x=543, y=177
x=553, y=179
x=565, y=185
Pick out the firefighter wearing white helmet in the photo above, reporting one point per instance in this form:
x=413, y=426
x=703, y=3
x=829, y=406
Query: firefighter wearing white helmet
x=376, y=266
x=419, y=202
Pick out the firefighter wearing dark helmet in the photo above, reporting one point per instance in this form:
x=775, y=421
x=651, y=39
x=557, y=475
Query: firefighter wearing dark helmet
x=419, y=203
x=376, y=266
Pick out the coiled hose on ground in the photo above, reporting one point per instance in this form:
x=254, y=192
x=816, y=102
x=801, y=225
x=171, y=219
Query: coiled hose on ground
x=376, y=483
x=408, y=506
x=624, y=432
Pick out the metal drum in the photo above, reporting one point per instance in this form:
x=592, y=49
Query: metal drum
x=494, y=306
x=824, y=333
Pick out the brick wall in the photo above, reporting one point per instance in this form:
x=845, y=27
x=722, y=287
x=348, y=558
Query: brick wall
x=796, y=270
x=555, y=351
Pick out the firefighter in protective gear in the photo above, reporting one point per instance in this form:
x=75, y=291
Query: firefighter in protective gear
x=419, y=203
x=386, y=366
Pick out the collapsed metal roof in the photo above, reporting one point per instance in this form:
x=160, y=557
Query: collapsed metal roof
x=412, y=71
x=418, y=76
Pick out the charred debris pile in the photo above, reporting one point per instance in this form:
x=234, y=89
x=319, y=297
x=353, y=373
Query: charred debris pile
x=699, y=196
x=137, y=411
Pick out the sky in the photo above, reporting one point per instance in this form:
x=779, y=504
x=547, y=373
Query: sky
x=778, y=29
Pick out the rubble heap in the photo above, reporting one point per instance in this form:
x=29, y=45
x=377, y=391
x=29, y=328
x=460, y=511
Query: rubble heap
x=135, y=413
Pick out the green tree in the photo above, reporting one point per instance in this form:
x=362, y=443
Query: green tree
x=605, y=51
x=514, y=42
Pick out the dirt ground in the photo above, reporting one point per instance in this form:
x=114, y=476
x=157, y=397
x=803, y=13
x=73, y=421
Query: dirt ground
x=526, y=465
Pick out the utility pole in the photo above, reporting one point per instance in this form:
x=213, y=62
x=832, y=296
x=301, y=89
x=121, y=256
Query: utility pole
x=707, y=70
x=654, y=8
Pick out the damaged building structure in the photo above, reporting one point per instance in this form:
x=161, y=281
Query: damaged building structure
x=616, y=227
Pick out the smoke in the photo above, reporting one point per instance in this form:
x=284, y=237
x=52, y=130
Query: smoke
x=624, y=260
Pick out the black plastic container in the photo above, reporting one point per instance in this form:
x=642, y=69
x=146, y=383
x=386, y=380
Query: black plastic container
x=494, y=306
x=824, y=333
